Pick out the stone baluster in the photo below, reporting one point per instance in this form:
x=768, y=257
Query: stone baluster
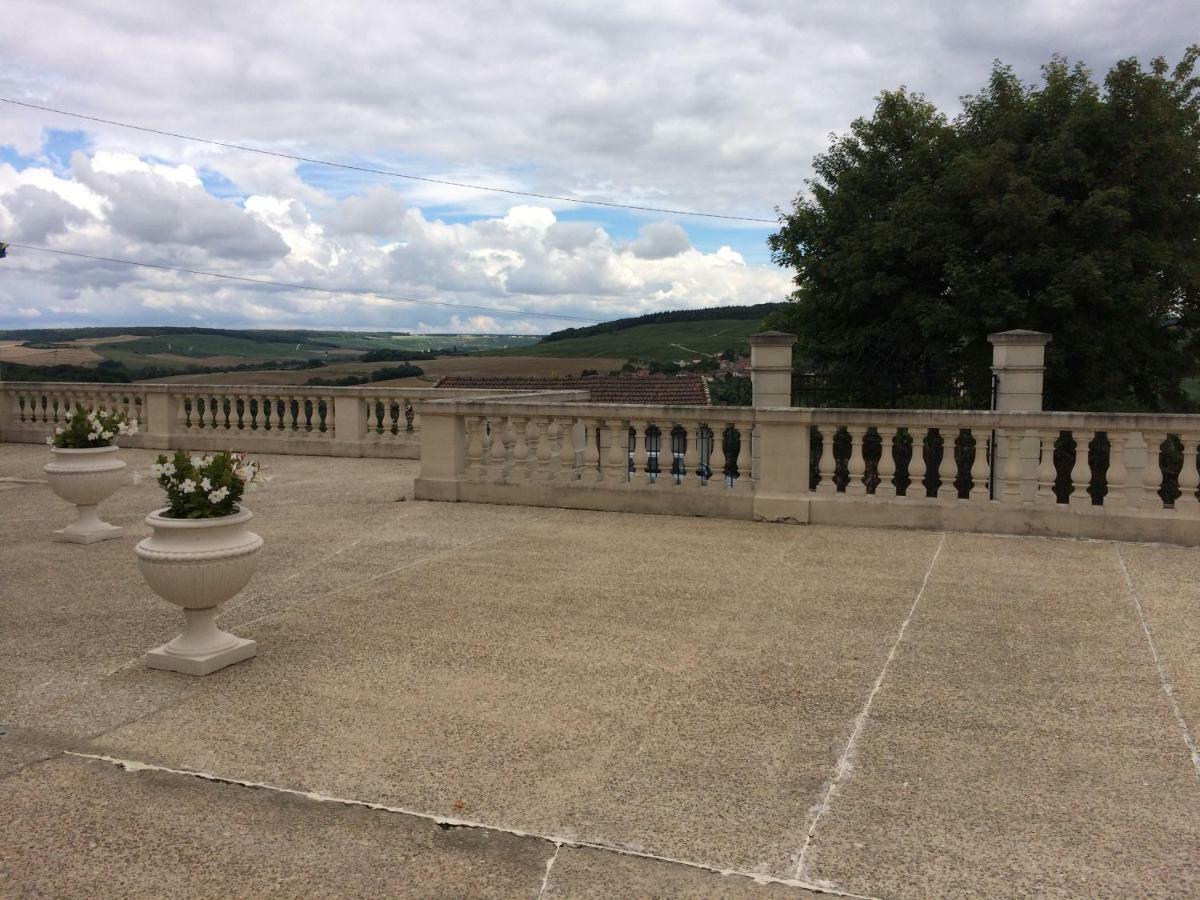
x=1046, y=473
x=503, y=448
x=716, y=459
x=1012, y=469
x=539, y=468
x=980, y=473
x=916, y=467
x=488, y=445
x=856, y=468
x=565, y=447
x=617, y=465
x=745, y=481
x=1152, y=475
x=1081, y=470
x=1189, y=477
x=369, y=432
x=520, y=452
x=641, y=456
x=827, y=466
x=1117, y=473
x=475, y=469
x=886, y=489
x=592, y=470
x=948, y=467
x=691, y=456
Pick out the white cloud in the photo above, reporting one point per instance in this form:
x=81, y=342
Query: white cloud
x=524, y=260
x=660, y=240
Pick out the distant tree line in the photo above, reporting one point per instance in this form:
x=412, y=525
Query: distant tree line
x=393, y=355
x=385, y=374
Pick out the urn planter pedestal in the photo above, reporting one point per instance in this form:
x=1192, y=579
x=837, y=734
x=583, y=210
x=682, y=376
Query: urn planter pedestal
x=198, y=564
x=85, y=477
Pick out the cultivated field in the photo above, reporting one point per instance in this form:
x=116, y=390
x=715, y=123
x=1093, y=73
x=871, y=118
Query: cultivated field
x=13, y=352
x=433, y=368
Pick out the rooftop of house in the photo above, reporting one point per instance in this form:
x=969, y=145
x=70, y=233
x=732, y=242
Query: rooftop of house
x=684, y=389
x=609, y=704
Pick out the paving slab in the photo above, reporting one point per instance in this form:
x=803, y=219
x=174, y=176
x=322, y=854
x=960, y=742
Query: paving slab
x=1019, y=744
x=1166, y=583
x=77, y=827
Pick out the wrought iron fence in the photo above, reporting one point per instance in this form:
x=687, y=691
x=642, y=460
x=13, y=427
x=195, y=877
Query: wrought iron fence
x=892, y=390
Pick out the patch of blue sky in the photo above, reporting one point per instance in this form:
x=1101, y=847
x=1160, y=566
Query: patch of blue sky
x=55, y=153
x=342, y=183
x=219, y=186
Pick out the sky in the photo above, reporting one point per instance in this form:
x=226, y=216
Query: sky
x=705, y=105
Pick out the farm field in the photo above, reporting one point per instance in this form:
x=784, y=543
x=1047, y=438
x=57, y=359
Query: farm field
x=13, y=352
x=433, y=368
x=661, y=342
x=181, y=349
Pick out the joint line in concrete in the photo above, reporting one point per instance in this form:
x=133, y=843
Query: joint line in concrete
x=1168, y=689
x=134, y=766
x=842, y=770
x=549, y=867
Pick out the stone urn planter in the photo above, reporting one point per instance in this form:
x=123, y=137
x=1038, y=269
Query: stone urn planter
x=85, y=477
x=198, y=564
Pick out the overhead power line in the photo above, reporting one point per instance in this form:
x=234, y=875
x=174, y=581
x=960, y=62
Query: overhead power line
x=391, y=174
x=300, y=287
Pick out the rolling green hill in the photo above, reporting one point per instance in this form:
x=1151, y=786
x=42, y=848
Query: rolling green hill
x=661, y=341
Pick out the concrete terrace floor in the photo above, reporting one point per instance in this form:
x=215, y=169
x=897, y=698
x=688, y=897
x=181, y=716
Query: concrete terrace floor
x=612, y=705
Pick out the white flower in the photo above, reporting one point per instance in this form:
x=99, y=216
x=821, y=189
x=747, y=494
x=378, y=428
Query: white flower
x=187, y=486
x=49, y=442
x=218, y=495
x=58, y=430
x=107, y=435
x=206, y=484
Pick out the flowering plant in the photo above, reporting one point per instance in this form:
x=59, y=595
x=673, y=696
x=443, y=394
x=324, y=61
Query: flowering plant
x=203, y=487
x=91, y=428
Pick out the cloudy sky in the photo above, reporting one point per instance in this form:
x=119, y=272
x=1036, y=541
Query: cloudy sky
x=699, y=105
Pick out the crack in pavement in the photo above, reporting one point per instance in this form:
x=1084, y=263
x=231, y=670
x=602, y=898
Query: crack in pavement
x=134, y=766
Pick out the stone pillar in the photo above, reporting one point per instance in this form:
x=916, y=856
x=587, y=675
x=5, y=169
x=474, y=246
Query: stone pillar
x=158, y=422
x=349, y=423
x=444, y=453
x=782, y=493
x=771, y=367
x=1019, y=364
x=6, y=405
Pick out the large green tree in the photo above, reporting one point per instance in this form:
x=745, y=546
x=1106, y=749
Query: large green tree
x=1066, y=206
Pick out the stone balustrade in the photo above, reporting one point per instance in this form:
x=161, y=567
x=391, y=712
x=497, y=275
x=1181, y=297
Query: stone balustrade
x=334, y=421
x=686, y=460
x=1119, y=476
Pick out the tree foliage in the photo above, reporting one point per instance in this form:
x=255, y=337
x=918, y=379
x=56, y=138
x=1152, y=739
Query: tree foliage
x=1065, y=206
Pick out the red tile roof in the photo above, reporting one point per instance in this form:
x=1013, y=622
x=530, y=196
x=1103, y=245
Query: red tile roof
x=687, y=389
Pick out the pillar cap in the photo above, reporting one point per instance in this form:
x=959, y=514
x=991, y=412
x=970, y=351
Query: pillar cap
x=1020, y=336
x=772, y=339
